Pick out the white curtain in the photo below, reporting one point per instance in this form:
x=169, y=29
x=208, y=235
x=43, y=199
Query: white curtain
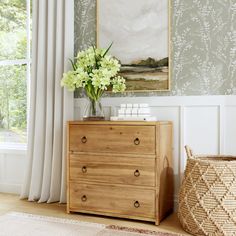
x=50, y=105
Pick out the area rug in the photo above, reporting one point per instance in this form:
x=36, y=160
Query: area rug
x=22, y=224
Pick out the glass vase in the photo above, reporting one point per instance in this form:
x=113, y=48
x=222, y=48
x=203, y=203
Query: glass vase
x=93, y=110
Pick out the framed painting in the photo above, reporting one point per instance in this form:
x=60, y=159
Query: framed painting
x=140, y=33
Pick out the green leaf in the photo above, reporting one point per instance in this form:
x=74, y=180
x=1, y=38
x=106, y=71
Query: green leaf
x=107, y=50
x=73, y=64
x=95, y=57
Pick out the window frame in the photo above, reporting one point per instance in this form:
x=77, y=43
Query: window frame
x=20, y=148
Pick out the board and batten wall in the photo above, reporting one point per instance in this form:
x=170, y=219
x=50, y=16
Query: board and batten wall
x=205, y=123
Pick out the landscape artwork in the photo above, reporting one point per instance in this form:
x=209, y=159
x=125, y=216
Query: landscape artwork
x=139, y=31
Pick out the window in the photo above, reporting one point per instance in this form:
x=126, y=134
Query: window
x=15, y=27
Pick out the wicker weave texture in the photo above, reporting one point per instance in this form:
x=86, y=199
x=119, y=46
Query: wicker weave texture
x=207, y=199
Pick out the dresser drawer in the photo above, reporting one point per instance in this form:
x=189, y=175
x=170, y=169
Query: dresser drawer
x=124, y=201
x=113, y=169
x=112, y=139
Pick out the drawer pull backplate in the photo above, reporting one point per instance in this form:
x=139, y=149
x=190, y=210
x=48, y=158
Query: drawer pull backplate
x=137, y=141
x=84, y=198
x=84, y=169
x=136, y=173
x=136, y=204
x=84, y=139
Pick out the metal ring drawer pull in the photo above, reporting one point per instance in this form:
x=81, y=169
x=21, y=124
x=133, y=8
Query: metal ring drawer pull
x=137, y=141
x=84, y=169
x=84, y=198
x=136, y=204
x=136, y=173
x=84, y=139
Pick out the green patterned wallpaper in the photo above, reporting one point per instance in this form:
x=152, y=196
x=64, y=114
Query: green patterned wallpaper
x=203, y=45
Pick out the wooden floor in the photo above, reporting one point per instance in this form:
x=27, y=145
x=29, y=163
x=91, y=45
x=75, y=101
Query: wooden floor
x=9, y=202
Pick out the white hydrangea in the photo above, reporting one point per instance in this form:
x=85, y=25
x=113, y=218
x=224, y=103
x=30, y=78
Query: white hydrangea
x=118, y=84
x=85, y=59
x=82, y=78
x=101, y=78
x=111, y=64
x=68, y=80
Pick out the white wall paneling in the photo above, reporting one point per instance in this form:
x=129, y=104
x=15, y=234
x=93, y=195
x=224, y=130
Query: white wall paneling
x=202, y=128
x=206, y=123
x=12, y=167
x=230, y=130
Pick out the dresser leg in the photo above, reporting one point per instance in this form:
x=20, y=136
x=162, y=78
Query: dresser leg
x=67, y=210
x=157, y=222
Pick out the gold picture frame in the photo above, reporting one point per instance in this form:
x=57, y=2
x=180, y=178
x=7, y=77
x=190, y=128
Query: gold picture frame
x=156, y=69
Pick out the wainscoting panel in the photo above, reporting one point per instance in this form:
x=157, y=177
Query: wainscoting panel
x=206, y=123
x=12, y=167
x=202, y=128
x=171, y=113
x=230, y=130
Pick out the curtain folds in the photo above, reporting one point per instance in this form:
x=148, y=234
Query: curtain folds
x=50, y=105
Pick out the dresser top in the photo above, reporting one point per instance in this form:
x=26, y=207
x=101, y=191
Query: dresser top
x=80, y=122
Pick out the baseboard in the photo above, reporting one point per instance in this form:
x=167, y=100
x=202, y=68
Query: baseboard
x=10, y=188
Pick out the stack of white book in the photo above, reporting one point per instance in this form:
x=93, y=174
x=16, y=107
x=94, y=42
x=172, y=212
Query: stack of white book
x=134, y=112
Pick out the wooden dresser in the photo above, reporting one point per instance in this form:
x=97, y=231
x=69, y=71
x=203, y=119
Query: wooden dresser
x=121, y=169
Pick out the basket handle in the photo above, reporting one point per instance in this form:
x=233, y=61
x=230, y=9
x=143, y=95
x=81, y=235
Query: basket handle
x=189, y=152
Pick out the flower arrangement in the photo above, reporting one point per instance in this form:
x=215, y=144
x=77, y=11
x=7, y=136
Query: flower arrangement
x=95, y=71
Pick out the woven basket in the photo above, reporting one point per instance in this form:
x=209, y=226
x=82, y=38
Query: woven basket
x=207, y=198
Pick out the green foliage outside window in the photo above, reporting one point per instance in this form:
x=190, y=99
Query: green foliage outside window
x=13, y=79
